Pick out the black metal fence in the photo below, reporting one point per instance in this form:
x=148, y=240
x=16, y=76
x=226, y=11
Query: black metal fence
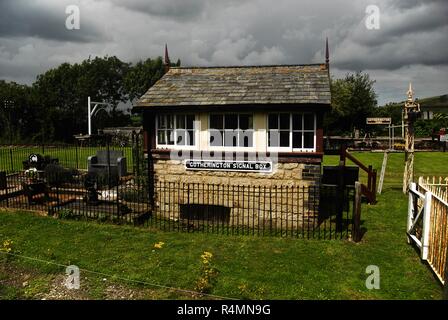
x=13, y=158
x=64, y=187
x=78, y=194
x=320, y=211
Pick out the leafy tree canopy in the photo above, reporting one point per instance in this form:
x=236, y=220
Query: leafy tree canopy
x=54, y=107
x=353, y=100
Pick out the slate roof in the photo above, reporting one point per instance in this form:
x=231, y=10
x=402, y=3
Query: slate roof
x=198, y=86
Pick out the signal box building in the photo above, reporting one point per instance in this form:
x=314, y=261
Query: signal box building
x=241, y=125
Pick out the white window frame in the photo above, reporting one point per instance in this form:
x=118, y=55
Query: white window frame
x=231, y=148
x=196, y=130
x=290, y=148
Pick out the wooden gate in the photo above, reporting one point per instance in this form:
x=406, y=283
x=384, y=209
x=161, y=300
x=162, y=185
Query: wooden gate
x=427, y=225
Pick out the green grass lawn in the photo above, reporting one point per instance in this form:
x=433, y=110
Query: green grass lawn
x=248, y=267
x=70, y=157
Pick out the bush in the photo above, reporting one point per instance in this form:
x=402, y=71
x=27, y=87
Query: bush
x=65, y=214
x=56, y=175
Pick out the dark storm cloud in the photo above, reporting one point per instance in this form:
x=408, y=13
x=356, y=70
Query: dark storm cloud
x=406, y=4
x=174, y=9
x=410, y=33
x=411, y=43
x=21, y=18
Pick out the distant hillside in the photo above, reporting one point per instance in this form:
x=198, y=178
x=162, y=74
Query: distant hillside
x=437, y=104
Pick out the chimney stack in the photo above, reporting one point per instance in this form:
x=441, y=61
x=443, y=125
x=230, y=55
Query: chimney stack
x=327, y=56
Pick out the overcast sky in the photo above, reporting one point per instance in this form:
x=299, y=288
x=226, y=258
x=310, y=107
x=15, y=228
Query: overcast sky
x=411, y=44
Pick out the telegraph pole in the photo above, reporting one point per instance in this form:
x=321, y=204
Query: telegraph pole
x=410, y=113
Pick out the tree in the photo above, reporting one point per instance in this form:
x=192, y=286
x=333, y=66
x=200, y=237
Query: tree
x=18, y=120
x=54, y=108
x=63, y=93
x=353, y=100
x=143, y=75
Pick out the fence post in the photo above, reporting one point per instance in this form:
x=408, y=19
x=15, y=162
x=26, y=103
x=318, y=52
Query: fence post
x=340, y=198
x=374, y=186
x=426, y=225
x=10, y=157
x=410, y=210
x=77, y=157
x=118, y=203
x=357, y=213
x=445, y=287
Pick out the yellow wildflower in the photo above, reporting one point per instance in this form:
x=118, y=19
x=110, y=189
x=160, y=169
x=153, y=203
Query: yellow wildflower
x=7, y=246
x=159, y=245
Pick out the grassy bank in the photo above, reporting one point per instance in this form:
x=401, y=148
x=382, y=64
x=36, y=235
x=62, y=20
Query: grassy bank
x=247, y=267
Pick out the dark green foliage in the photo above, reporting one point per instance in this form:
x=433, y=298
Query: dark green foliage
x=142, y=76
x=353, y=100
x=54, y=107
x=426, y=128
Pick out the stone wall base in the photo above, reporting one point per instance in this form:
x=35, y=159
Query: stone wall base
x=287, y=197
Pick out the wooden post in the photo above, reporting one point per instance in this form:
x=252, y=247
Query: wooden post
x=369, y=178
x=410, y=210
x=340, y=198
x=342, y=155
x=374, y=186
x=357, y=213
x=445, y=287
x=426, y=225
x=408, y=175
x=383, y=172
x=411, y=109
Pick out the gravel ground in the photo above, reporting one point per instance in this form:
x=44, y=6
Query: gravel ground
x=52, y=287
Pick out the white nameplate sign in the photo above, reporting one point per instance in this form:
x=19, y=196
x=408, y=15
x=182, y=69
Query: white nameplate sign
x=226, y=165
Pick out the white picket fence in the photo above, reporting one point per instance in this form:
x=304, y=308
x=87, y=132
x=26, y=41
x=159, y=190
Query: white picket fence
x=427, y=225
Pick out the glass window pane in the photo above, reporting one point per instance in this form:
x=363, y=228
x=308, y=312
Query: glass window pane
x=296, y=122
x=190, y=138
x=284, y=121
x=170, y=136
x=180, y=137
x=309, y=121
x=161, y=137
x=170, y=121
x=216, y=121
x=161, y=122
x=246, y=121
x=284, y=138
x=297, y=140
x=308, y=140
x=273, y=138
x=273, y=121
x=190, y=121
x=231, y=138
x=245, y=138
x=216, y=138
x=180, y=121
x=231, y=121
